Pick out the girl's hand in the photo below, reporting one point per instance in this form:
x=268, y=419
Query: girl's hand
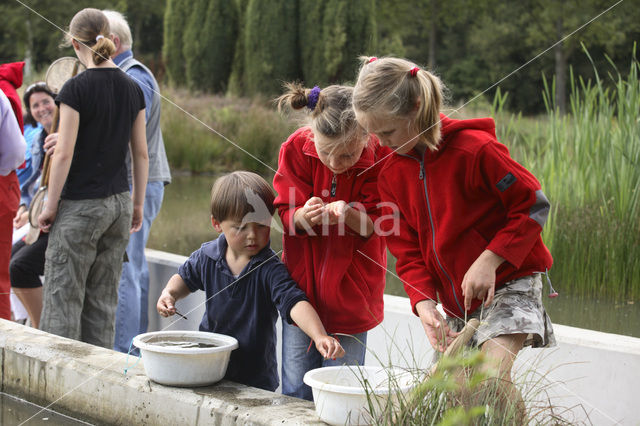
x=166, y=304
x=21, y=217
x=480, y=280
x=438, y=332
x=46, y=218
x=337, y=211
x=136, y=219
x=50, y=143
x=310, y=214
x=329, y=347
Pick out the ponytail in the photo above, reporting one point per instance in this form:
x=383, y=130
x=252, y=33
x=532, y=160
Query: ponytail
x=91, y=28
x=330, y=110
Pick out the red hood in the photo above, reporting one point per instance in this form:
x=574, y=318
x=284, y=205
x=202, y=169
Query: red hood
x=450, y=125
x=10, y=80
x=12, y=73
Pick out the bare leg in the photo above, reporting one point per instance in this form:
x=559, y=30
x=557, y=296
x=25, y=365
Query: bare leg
x=31, y=298
x=501, y=352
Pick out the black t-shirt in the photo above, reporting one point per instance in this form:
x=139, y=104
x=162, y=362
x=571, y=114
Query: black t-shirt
x=108, y=102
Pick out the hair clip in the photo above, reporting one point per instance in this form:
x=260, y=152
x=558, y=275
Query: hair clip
x=373, y=58
x=98, y=37
x=414, y=71
x=312, y=99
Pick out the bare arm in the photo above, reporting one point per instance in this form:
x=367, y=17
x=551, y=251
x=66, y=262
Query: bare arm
x=140, y=169
x=60, y=164
x=307, y=319
x=175, y=290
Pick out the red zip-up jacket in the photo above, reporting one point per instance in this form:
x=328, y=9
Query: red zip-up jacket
x=456, y=202
x=10, y=80
x=342, y=273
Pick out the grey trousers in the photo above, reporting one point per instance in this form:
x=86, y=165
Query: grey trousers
x=83, y=266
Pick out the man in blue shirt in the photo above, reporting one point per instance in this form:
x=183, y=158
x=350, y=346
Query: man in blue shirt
x=133, y=291
x=245, y=283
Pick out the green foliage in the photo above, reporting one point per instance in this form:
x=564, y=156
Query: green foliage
x=236, y=79
x=208, y=45
x=175, y=21
x=349, y=31
x=271, y=45
x=311, y=41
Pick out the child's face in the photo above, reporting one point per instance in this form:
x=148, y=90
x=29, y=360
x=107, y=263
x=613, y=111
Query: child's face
x=244, y=239
x=395, y=132
x=338, y=156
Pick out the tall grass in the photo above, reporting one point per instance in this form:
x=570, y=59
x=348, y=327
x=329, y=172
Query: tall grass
x=246, y=134
x=588, y=163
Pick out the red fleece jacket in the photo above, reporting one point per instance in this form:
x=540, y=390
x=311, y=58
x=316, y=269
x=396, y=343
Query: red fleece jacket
x=10, y=80
x=342, y=273
x=466, y=197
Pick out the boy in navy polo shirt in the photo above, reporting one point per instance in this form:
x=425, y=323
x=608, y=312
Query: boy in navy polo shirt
x=245, y=283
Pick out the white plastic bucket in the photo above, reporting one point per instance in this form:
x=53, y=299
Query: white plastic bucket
x=340, y=396
x=180, y=366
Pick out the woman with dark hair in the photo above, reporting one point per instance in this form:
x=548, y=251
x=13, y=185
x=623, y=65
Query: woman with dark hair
x=27, y=261
x=90, y=210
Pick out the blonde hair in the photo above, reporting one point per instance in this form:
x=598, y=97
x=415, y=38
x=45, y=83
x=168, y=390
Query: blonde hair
x=387, y=87
x=229, y=199
x=85, y=27
x=332, y=116
x=119, y=27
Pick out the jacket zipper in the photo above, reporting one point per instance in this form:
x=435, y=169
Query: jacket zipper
x=334, y=185
x=433, y=229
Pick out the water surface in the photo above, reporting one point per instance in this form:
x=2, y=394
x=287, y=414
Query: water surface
x=15, y=411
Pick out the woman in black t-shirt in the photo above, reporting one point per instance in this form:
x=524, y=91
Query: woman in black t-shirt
x=89, y=210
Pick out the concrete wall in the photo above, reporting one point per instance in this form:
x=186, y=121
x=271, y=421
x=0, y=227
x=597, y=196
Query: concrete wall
x=89, y=383
x=591, y=375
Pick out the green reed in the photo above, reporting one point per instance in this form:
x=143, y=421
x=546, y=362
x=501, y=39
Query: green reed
x=588, y=163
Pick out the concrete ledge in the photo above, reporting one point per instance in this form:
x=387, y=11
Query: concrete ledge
x=88, y=382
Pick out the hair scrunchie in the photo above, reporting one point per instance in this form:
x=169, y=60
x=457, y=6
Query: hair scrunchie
x=313, y=98
x=373, y=58
x=98, y=37
x=414, y=71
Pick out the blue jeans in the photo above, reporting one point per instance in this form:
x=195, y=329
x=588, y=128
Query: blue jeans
x=133, y=292
x=296, y=361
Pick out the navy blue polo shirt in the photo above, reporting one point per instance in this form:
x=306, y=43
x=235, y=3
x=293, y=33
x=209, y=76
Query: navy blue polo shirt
x=245, y=307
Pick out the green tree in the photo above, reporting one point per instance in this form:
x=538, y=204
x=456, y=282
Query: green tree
x=349, y=31
x=236, y=79
x=175, y=22
x=311, y=33
x=209, y=44
x=271, y=45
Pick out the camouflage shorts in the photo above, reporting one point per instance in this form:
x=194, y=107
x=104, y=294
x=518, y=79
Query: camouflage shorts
x=516, y=309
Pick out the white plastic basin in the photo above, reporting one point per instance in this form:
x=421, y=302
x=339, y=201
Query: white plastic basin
x=339, y=392
x=168, y=364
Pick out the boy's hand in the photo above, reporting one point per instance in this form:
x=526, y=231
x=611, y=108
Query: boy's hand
x=437, y=330
x=329, y=347
x=480, y=280
x=166, y=304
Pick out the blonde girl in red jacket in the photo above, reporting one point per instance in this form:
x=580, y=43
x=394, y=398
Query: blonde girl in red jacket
x=328, y=202
x=470, y=216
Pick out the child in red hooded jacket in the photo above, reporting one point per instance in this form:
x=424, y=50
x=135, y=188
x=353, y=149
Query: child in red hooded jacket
x=470, y=216
x=328, y=202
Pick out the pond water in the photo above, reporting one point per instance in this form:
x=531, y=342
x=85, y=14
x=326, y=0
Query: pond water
x=184, y=223
x=16, y=411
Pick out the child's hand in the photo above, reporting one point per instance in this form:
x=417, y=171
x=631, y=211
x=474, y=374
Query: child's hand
x=329, y=347
x=166, y=304
x=480, y=280
x=437, y=330
x=337, y=211
x=310, y=214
